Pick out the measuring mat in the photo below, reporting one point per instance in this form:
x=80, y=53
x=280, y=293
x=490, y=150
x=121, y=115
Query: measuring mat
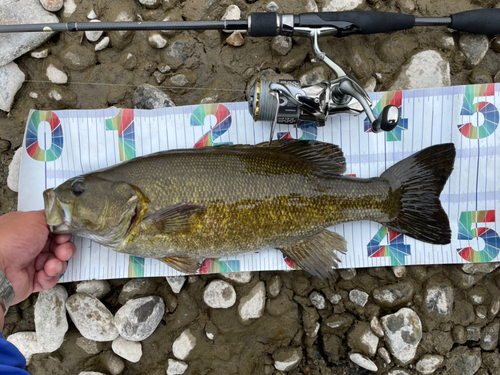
x=61, y=144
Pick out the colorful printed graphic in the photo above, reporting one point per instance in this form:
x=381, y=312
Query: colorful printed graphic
x=395, y=249
x=56, y=135
x=214, y=265
x=223, y=116
x=124, y=124
x=489, y=111
x=467, y=232
x=309, y=131
x=136, y=267
x=389, y=98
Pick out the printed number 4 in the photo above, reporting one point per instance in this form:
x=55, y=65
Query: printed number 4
x=467, y=232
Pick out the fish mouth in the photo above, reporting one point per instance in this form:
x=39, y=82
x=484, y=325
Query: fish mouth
x=57, y=214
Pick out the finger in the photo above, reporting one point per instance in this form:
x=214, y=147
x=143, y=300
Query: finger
x=41, y=259
x=65, y=252
x=43, y=281
x=61, y=238
x=54, y=267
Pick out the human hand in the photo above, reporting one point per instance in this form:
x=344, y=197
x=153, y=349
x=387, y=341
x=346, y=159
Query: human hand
x=31, y=258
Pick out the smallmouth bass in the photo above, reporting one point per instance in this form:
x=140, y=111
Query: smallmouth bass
x=182, y=206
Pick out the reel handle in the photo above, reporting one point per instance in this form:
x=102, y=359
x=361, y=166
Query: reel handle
x=387, y=120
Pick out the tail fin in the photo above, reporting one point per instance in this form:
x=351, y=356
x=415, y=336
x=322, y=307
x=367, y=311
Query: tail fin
x=416, y=183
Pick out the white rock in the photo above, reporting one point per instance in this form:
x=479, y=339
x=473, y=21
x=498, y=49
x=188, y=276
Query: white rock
x=92, y=15
x=51, y=323
x=26, y=343
x=102, y=44
x=14, y=168
x=219, y=295
x=52, y=5
x=130, y=350
x=69, y=7
x=317, y=300
x=272, y=7
x=56, y=75
x=40, y=54
x=448, y=42
x=89, y=346
x=56, y=95
x=290, y=363
x=91, y=317
x=138, y=318
x=14, y=45
x=239, y=278
x=281, y=44
x=399, y=271
x=94, y=288
x=439, y=299
x=176, y=283
x=474, y=47
x=358, y=297
x=93, y=36
x=376, y=327
x=252, y=305
x=11, y=80
x=335, y=299
x=210, y=335
x=425, y=69
x=370, y=342
x=232, y=13
x=33, y=95
x=403, y=332
x=342, y=5
x=384, y=354
x=311, y=6
x=429, y=363
x=363, y=362
x=183, y=344
x=176, y=367
x=156, y=40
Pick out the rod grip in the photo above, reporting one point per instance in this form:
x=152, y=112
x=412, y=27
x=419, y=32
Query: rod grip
x=479, y=21
x=263, y=24
x=362, y=22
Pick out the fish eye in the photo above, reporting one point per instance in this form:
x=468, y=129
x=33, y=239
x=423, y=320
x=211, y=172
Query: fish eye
x=78, y=187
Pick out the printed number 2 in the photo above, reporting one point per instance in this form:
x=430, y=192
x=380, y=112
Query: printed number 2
x=467, y=232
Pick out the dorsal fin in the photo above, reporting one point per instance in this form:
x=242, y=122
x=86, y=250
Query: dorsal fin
x=327, y=157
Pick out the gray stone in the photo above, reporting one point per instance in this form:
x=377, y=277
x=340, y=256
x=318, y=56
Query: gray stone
x=274, y=286
x=4, y=145
x=474, y=47
x=176, y=283
x=183, y=344
x=120, y=39
x=138, y=318
x=151, y=4
x=114, y=363
x=395, y=47
x=342, y=5
x=313, y=76
x=288, y=358
x=176, y=367
x=489, y=336
x=281, y=44
x=461, y=279
x=13, y=45
x=51, y=323
x=26, y=343
x=475, y=268
x=363, y=362
x=398, y=371
x=376, y=327
x=406, y=6
x=91, y=373
x=335, y=299
x=77, y=57
x=149, y=97
x=464, y=361
x=495, y=306
x=337, y=323
x=219, y=295
x=11, y=80
x=361, y=338
x=318, y=300
x=370, y=85
x=347, y=273
x=89, y=346
x=311, y=6
x=477, y=295
x=272, y=7
x=384, y=354
x=134, y=288
x=394, y=295
x=473, y=333
x=403, y=332
x=481, y=312
x=94, y=288
x=93, y=36
x=429, y=363
x=14, y=169
x=459, y=334
x=439, y=298
x=358, y=297
x=252, y=305
x=91, y=317
x=129, y=350
x=425, y=69
x=239, y=278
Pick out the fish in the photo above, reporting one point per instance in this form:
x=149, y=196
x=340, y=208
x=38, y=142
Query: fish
x=182, y=206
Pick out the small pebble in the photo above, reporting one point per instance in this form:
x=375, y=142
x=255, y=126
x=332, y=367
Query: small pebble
x=183, y=344
x=52, y=5
x=129, y=350
x=335, y=299
x=429, y=363
x=317, y=300
x=176, y=367
x=102, y=44
x=94, y=288
x=219, y=295
x=33, y=95
x=252, y=305
x=384, y=354
x=363, y=361
x=92, y=15
x=358, y=297
x=376, y=327
x=347, y=273
x=157, y=40
x=56, y=75
x=235, y=39
x=40, y=54
x=399, y=271
x=481, y=312
x=176, y=283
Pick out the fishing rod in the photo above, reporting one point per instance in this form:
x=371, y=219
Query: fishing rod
x=287, y=102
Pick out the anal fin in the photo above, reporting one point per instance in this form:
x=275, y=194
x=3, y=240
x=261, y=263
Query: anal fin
x=187, y=265
x=316, y=254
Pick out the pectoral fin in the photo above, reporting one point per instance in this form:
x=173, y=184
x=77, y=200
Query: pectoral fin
x=173, y=218
x=316, y=254
x=187, y=265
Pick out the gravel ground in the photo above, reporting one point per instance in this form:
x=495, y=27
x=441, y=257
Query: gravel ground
x=397, y=321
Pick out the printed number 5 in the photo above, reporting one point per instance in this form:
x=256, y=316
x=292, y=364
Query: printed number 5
x=467, y=232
